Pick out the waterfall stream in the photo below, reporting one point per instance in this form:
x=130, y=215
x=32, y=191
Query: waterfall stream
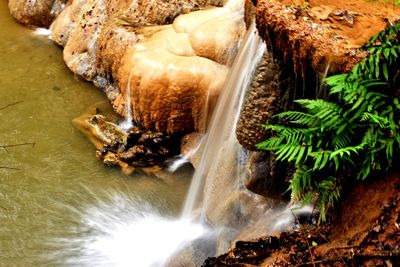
x=221, y=141
x=124, y=231
x=127, y=123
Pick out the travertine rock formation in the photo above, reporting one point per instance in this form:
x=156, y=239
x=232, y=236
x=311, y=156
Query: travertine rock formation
x=169, y=67
x=173, y=72
x=176, y=72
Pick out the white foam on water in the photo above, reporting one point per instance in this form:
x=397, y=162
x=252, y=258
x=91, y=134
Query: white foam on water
x=122, y=231
x=42, y=32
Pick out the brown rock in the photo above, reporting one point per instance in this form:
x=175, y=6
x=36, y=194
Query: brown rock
x=261, y=103
x=36, y=12
x=313, y=35
x=173, y=73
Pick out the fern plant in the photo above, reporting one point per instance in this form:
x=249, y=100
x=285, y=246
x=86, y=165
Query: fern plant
x=356, y=135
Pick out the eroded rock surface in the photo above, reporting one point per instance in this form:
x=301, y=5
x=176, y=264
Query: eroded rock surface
x=173, y=73
x=322, y=34
x=263, y=100
x=134, y=148
x=39, y=13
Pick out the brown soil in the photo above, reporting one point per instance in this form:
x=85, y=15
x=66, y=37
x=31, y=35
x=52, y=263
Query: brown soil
x=365, y=232
x=322, y=33
x=353, y=20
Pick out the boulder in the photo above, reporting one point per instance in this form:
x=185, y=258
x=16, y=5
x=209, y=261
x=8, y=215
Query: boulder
x=38, y=13
x=264, y=99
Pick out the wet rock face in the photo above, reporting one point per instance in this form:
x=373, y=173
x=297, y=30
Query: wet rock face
x=137, y=148
x=142, y=148
x=267, y=177
x=173, y=73
x=262, y=101
x=39, y=13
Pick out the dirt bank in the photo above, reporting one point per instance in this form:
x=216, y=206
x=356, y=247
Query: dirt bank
x=364, y=232
x=322, y=33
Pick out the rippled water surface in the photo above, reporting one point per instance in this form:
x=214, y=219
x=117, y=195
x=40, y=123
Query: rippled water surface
x=46, y=187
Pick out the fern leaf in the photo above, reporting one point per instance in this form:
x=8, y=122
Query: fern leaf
x=381, y=121
x=335, y=79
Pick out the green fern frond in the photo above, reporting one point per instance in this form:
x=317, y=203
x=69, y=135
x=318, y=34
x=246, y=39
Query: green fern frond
x=271, y=144
x=300, y=118
x=357, y=132
x=374, y=118
x=340, y=141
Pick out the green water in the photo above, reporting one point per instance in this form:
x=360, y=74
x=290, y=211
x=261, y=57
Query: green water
x=60, y=173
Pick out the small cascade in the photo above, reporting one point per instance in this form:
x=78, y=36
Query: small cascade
x=185, y=158
x=42, y=32
x=221, y=138
x=127, y=123
x=323, y=92
x=133, y=235
x=121, y=230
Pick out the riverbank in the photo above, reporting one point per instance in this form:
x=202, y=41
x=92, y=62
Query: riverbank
x=364, y=231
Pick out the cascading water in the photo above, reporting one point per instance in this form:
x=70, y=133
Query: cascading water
x=42, y=32
x=124, y=231
x=183, y=159
x=220, y=144
x=127, y=123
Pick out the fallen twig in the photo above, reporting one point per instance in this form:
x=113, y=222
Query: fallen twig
x=379, y=254
x=12, y=104
x=318, y=262
x=17, y=145
x=9, y=168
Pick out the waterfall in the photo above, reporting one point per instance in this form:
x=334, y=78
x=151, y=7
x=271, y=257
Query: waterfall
x=123, y=233
x=127, y=123
x=221, y=138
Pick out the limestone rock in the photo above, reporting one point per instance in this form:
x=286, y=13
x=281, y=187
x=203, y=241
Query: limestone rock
x=161, y=58
x=172, y=73
x=36, y=12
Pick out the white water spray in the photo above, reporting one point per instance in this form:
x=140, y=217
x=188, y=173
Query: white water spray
x=42, y=32
x=183, y=159
x=122, y=231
